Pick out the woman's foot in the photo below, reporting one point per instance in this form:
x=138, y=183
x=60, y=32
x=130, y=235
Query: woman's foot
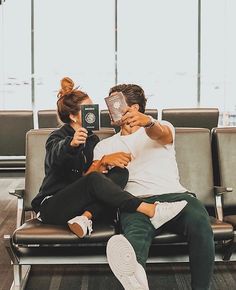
x=166, y=211
x=80, y=225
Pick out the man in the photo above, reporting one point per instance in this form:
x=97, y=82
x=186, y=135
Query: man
x=153, y=175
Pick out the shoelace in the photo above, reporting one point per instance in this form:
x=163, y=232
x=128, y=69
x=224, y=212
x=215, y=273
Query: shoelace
x=164, y=208
x=90, y=229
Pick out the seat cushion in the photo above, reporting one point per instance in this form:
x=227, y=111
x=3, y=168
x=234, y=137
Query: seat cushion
x=33, y=233
x=221, y=231
x=231, y=219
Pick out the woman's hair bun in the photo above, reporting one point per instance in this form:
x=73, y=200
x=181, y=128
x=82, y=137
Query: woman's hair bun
x=67, y=86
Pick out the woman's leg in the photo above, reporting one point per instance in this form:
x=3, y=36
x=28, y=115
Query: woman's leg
x=119, y=176
x=79, y=196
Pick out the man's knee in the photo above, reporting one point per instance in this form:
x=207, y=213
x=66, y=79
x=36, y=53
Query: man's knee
x=199, y=226
x=139, y=231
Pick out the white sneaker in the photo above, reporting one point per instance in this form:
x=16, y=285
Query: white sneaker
x=80, y=225
x=165, y=211
x=123, y=263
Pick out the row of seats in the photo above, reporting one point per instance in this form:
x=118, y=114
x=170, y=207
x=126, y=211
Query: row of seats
x=185, y=117
x=37, y=243
x=13, y=128
x=15, y=124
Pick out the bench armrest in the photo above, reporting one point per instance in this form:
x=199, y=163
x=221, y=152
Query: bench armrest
x=20, y=215
x=19, y=193
x=220, y=190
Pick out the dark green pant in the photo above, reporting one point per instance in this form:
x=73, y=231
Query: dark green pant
x=193, y=222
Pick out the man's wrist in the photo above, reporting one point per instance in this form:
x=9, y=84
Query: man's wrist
x=151, y=123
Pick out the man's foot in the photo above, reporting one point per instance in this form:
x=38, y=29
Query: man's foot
x=123, y=263
x=80, y=225
x=165, y=211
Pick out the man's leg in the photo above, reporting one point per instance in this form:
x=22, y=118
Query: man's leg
x=139, y=231
x=194, y=223
x=127, y=254
x=123, y=263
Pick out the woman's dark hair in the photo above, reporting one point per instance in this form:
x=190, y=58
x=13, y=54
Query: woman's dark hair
x=69, y=100
x=134, y=94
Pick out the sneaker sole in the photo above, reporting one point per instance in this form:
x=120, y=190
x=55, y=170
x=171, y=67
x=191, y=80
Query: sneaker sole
x=76, y=229
x=122, y=261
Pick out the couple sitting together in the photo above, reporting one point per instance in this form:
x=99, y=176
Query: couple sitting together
x=135, y=170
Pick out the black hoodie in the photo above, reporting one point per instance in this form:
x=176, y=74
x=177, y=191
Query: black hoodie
x=64, y=164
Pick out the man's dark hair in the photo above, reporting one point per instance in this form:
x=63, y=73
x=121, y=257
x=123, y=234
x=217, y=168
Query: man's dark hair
x=134, y=94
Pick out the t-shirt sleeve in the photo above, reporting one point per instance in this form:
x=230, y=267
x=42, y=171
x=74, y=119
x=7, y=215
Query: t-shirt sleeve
x=163, y=122
x=99, y=151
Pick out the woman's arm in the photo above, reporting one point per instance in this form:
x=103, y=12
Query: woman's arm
x=59, y=150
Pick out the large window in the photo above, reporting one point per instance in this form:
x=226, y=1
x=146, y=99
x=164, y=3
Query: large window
x=152, y=43
x=74, y=38
x=15, y=88
x=157, y=48
x=218, y=61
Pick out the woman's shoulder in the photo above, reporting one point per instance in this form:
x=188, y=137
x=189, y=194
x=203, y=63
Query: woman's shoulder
x=64, y=130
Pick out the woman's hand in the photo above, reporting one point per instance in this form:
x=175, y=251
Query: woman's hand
x=80, y=137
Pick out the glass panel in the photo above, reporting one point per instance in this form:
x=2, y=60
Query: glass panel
x=15, y=86
x=75, y=39
x=157, y=48
x=218, y=86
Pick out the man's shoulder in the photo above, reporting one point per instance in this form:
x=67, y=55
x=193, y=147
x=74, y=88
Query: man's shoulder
x=167, y=123
x=109, y=139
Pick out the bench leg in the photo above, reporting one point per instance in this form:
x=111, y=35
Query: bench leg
x=21, y=274
x=229, y=249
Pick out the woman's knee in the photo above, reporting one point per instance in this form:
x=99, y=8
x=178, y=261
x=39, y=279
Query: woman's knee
x=94, y=176
x=119, y=176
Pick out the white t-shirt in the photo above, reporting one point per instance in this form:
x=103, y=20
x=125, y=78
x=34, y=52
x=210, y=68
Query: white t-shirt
x=153, y=168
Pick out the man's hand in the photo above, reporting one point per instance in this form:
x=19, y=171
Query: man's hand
x=132, y=118
x=120, y=159
x=80, y=137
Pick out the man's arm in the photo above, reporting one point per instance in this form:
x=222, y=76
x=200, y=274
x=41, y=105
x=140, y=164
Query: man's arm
x=154, y=129
x=160, y=132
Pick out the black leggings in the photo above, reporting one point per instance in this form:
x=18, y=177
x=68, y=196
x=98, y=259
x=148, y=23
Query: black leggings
x=94, y=192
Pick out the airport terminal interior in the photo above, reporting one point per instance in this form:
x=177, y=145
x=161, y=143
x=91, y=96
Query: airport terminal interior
x=182, y=54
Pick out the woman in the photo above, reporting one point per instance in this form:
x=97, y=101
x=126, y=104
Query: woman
x=75, y=189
